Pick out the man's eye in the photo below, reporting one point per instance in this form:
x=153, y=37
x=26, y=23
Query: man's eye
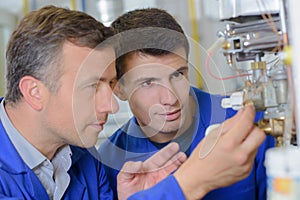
x=94, y=85
x=177, y=74
x=147, y=83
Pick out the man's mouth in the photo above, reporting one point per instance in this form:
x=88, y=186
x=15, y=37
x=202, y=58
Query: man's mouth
x=172, y=115
x=99, y=125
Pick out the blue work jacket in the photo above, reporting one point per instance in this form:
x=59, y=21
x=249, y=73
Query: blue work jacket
x=129, y=143
x=18, y=181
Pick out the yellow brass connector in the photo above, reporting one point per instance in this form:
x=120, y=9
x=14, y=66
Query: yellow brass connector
x=258, y=65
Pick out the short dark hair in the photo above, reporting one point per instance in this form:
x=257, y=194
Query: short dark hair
x=35, y=47
x=151, y=31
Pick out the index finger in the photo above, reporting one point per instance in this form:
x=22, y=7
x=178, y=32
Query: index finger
x=160, y=158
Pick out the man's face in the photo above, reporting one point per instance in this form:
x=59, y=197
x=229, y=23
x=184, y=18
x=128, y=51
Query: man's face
x=157, y=89
x=78, y=111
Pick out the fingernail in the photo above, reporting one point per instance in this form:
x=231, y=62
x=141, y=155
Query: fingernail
x=248, y=103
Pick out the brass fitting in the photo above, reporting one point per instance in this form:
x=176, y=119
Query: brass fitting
x=258, y=65
x=226, y=45
x=274, y=127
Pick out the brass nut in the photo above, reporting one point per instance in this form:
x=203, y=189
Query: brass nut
x=258, y=65
x=226, y=45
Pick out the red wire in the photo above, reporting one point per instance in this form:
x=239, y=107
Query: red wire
x=208, y=58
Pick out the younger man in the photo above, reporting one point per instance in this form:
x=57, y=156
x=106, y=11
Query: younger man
x=152, y=70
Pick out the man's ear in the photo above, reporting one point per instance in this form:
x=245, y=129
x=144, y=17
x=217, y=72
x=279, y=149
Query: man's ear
x=32, y=91
x=119, y=91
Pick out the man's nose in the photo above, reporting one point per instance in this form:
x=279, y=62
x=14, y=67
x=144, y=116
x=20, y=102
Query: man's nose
x=105, y=100
x=167, y=95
